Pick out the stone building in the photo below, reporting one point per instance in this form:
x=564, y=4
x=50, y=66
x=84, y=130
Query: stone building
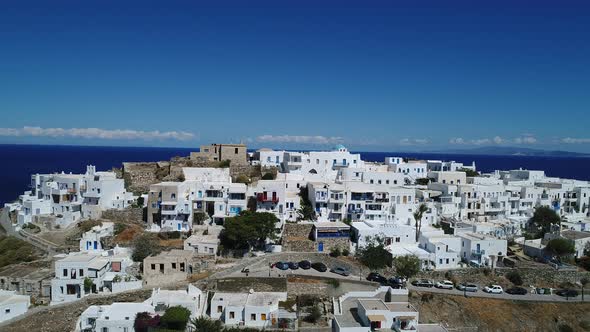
x=168, y=267
x=27, y=279
x=235, y=153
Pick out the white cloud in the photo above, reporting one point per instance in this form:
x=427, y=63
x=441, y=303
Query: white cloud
x=299, y=139
x=572, y=140
x=96, y=133
x=413, y=141
x=526, y=139
x=462, y=141
x=499, y=140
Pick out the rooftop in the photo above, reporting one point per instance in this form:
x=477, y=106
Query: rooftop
x=574, y=235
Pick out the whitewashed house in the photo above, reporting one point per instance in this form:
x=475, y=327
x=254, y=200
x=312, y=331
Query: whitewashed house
x=482, y=250
x=13, y=304
x=116, y=317
x=253, y=309
x=91, y=240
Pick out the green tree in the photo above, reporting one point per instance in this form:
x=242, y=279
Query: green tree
x=306, y=211
x=252, y=205
x=175, y=318
x=88, y=285
x=145, y=245
x=315, y=313
x=514, y=277
x=469, y=172
x=560, y=247
x=268, y=176
x=200, y=217
x=543, y=218
x=242, y=178
x=140, y=201
x=418, y=214
x=205, y=324
x=407, y=266
x=373, y=254
x=249, y=229
x=335, y=252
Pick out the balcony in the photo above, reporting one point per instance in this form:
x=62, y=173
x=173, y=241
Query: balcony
x=355, y=210
x=266, y=199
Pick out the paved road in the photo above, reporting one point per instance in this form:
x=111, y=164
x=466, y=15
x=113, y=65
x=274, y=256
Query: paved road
x=503, y=296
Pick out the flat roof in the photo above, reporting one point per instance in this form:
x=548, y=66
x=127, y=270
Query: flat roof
x=330, y=224
x=574, y=235
x=373, y=304
x=400, y=307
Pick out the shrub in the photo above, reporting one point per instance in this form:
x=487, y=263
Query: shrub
x=565, y=328
x=335, y=252
x=144, y=322
x=407, y=266
x=119, y=227
x=345, y=252
x=144, y=246
x=584, y=262
x=268, y=176
x=175, y=318
x=514, y=277
x=88, y=285
x=334, y=283
x=315, y=313
x=487, y=271
x=242, y=178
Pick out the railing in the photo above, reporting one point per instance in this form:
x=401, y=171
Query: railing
x=355, y=210
x=478, y=252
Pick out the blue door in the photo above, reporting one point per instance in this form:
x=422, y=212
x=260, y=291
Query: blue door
x=178, y=226
x=95, y=245
x=321, y=246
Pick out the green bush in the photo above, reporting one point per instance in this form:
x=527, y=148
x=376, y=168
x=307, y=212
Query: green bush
x=335, y=252
x=514, y=277
x=345, y=252
x=175, y=318
x=144, y=246
x=268, y=176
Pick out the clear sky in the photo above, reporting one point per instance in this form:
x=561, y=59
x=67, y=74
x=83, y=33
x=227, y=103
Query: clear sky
x=373, y=75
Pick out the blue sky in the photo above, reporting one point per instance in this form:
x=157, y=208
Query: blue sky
x=373, y=75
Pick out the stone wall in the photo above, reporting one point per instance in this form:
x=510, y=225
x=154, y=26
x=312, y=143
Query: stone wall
x=297, y=237
x=139, y=176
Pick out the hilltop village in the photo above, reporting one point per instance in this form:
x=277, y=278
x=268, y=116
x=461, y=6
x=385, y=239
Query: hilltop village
x=227, y=239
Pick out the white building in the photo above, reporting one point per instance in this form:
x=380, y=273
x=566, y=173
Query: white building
x=91, y=240
x=71, y=271
x=254, y=309
x=323, y=164
x=482, y=250
x=384, y=309
x=204, y=241
x=116, y=317
x=445, y=249
x=13, y=305
x=192, y=299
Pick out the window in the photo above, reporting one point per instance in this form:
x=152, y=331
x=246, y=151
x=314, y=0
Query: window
x=262, y=316
x=232, y=315
x=182, y=267
x=236, y=151
x=65, y=273
x=6, y=311
x=252, y=316
x=81, y=272
x=153, y=266
x=219, y=308
x=174, y=266
x=105, y=329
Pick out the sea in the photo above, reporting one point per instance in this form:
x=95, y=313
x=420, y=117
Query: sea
x=20, y=161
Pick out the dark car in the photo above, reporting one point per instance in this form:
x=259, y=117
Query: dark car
x=306, y=265
x=293, y=265
x=376, y=277
x=282, y=265
x=341, y=271
x=423, y=283
x=396, y=282
x=321, y=267
x=567, y=292
x=517, y=291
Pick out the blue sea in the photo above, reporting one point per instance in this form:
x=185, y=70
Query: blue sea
x=20, y=161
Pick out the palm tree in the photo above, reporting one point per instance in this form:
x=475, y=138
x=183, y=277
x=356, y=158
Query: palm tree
x=422, y=208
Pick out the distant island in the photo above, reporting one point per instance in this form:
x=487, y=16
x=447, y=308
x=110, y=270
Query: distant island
x=514, y=151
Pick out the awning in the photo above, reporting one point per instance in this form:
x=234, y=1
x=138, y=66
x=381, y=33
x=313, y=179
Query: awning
x=376, y=318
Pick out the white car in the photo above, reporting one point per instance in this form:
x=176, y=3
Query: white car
x=493, y=289
x=445, y=284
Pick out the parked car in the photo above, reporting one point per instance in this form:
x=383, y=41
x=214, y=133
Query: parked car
x=293, y=265
x=376, y=277
x=306, y=265
x=517, y=291
x=567, y=292
x=467, y=287
x=282, y=265
x=397, y=282
x=423, y=283
x=321, y=267
x=341, y=271
x=445, y=284
x=493, y=289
